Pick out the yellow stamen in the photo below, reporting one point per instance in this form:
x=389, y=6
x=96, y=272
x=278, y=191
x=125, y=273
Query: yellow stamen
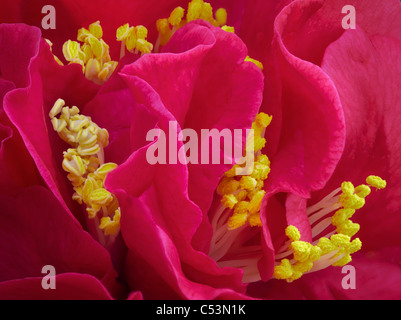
x=234, y=188
x=221, y=16
x=176, y=16
x=334, y=249
x=84, y=164
x=133, y=39
x=93, y=55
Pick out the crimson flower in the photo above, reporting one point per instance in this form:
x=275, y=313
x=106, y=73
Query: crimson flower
x=79, y=193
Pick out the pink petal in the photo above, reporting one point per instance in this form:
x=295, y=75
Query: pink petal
x=377, y=277
x=36, y=231
x=371, y=98
x=69, y=286
x=312, y=136
x=28, y=108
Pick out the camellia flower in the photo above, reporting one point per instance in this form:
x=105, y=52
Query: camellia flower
x=79, y=193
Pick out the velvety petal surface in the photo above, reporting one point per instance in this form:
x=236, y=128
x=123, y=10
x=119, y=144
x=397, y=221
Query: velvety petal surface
x=69, y=286
x=377, y=277
x=175, y=87
x=36, y=231
x=371, y=99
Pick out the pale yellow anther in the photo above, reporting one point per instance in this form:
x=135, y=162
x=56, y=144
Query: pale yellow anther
x=256, y=201
x=221, y=16
x=88, y=151
x=248, y=183
x=141, y=32
x=130, y=41
x=228, y=29
x=93, y=54
x=229, y=201
x=256, y=62
x=83, y=34
x=163, y=27
x=96, y=30
x=77, y=125
x=111, y=226
x=93, y=67
x=123, y=32
x=144, y=46
x=376, y=182
x=237, y=220
x=74, y=165
x=194, y=10
x=176, y=16
x=57, y=107
x=70, y=50
x=100, y=197
x=227, y=186
x=207, y=13
x=96, y=46
x=104, y=169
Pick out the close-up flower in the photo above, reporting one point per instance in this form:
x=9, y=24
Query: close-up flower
x=193, y=150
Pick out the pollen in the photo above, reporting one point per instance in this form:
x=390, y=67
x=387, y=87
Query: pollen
x=256, y=62
x=55, y=57
x=92, y=53
x=243, y=194
x=336, y=247
x=376, y=182
x=197, y=10
x=85, y=165
x=179, y=17
x=133, y=39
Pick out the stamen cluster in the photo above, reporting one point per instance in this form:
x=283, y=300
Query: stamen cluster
x=92, y=54
x=336, y=247
x=84, y=164
x=243, y=193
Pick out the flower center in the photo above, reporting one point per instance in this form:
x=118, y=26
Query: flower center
x=236, y=244
x=86, y=169
x=233, y=242
x=335, y=247
x=92, y=53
